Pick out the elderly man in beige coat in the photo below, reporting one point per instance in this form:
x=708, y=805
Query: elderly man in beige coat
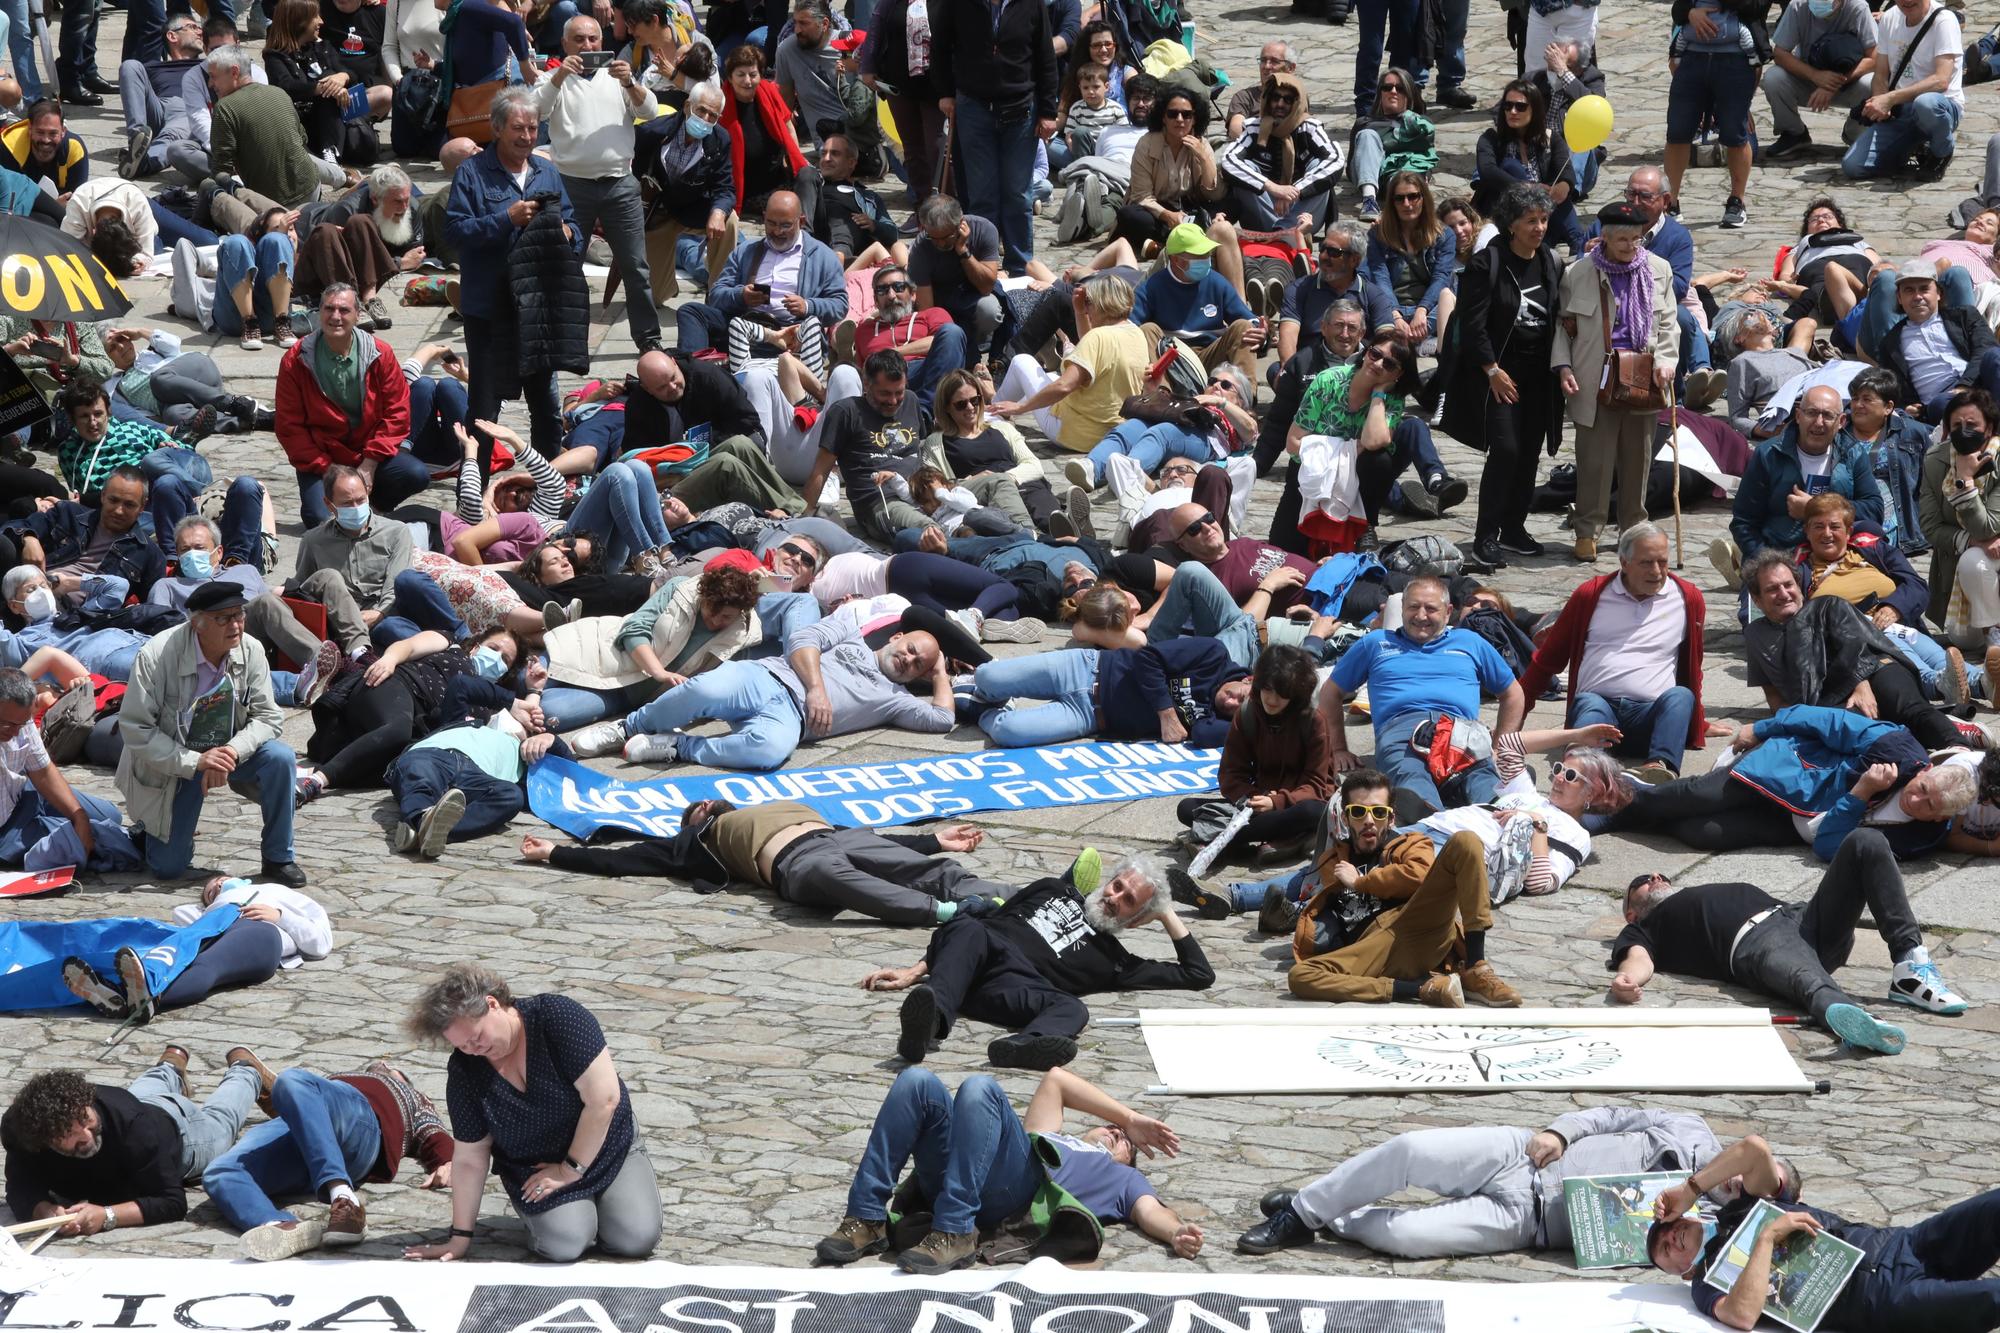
x=1618, y=296
x=198, y=712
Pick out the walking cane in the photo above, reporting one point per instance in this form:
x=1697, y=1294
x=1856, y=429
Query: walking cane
x=1674, y=443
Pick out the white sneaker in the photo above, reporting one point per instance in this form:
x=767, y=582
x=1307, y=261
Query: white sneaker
x=282, y=1240
x=1081, y=472
x=1025, y=630
x=1918, y=983
x=599, y=738
x=1723, y=555
x=646, y=749
x=969, y=620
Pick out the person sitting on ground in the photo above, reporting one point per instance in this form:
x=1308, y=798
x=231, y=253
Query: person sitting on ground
x=1738, y=933
x=561, y=1132
x=1188, y=299
x=988, y=457
x=791, y=850
x=1023, y=965
x=327, y=1134
x=1303, y=307
x=44, y=821
x=1281, y=174
x=1395, y=137
x=971, y=1185
x=342, y=400
x=775, y=295
x=956, y=267
x=349, y=563
x=152, y=95
x=257, y=138
x=1274, y=763
x=1862, y=567
x=876, y=440
x=1526, y=144
x=1899, y=445
x=202, y=555
x=120, y=1157
x=1514, y=1176
x=1936, y=349
x=69, y=541
x=925, y=336
x=1083, y=402
x=1815, y=454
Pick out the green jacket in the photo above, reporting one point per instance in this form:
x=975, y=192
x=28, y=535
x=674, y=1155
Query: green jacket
x=1409, y=143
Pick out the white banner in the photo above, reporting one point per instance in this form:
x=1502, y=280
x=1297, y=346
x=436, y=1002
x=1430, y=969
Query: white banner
x=390, y=1297
x=1379, y=1048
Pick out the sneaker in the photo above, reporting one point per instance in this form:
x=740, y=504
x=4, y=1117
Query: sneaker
x=1442, y=991
x=282, y=1240
x=1728, y=562
x=843, y=342
x=599, y=738
x=939, y=1252
x=1281, y=1230
x=1954, y=686
x=1081, y=472
x=1487, y=552
x=1188, y=892
x=919, y=1019
x=377, y=312
x=434, y=829
x=1518, y=542
x=1483, y=985
x=309, y=788
x=132, y=158
x=347, y=1222
x=1703, y=387
x=403, y=837
x=132, y=976
x=1277, y=915
x=199, y=426
x=1733, y=213
x=67, y=723
x=1787, y=145
x=252, y=341
x=1021, y=1050
x=1026, y=629
x=1418, y=500
x=1370, y=209
x=1455, y=97
x=267, y=1078
x=1076, y=508
x=286, y=337
x=853, y=1239
x=319, y=673
x=1087, y=871
x=176, y=1058
x=1918, y=983
x=1991, y=666
x=1447, y=490
x=93, y=990
x=1855, y=1026
x=1652, y=774
x=1929, y=169
x=1060, y=523
x=648, y=749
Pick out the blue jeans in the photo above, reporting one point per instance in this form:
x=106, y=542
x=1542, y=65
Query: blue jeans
x=621, y=513
x=568, y=707
x=419, y=777
x=1196, y=603
x=174, y=477
x=1879, y=309
x=207, y=1130
x=602, y=431
x=1366, y=164
x=242, y=522
x=1450, y=45
x=236, y=260
x=326, y=1134
x=21, y=47
x=1150, y=446
x=974, y=1161
x=266, y=776
x=780, y=613
x=1068, y=679
x=1718, y=83
x=764, y=719
x=1407, y=770
x=436, y=405
x=1928, y=122
x=1000, y=555
x=1932, y=1276
x=396, y=480
x=1254, y=211
x=1402, y=18
x=1924, y=652
x=947, y=354
x=1655, y=728
x=1297, y=884
x=996, y=164
x=1694, y=343
x=418, y=604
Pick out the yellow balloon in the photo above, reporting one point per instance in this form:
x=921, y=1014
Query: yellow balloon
x=1587, y=124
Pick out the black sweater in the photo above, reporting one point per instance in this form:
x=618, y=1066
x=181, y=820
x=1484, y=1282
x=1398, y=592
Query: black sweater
x=1045, y=922
x=1013, y=70
x=140, y=1163
x=1134, y=685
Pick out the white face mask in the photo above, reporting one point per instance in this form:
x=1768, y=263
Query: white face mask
x=39, y=605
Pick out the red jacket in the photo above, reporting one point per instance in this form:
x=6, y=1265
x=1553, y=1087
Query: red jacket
x=1562, y=648
x=777, y=119
x=315, y=431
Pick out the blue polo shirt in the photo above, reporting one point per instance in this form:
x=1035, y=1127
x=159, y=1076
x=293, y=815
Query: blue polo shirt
x=1444, y=675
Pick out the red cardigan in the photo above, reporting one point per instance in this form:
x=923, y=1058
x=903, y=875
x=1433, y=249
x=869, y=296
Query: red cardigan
x=777, y=118
x=1562, y=649
x=315, y=431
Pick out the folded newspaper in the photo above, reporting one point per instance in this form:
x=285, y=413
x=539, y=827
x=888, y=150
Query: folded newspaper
x=1807, y=1271
x=1610, y=1215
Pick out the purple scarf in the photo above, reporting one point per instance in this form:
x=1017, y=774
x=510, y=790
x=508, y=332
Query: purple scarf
x=1632, y=292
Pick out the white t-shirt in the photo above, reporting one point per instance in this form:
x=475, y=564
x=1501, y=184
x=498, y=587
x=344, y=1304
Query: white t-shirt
x=855, y=574
x=1942, y=40
x=18, y=758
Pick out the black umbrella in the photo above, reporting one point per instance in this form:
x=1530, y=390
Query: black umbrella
x=49, y=274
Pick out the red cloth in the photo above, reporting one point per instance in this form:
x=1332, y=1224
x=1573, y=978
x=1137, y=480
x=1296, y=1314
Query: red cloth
x=433, y=1145
x=1326, y=535
x=1562, y=649
x=314, y=430
x=777, y=118
x=872, y=335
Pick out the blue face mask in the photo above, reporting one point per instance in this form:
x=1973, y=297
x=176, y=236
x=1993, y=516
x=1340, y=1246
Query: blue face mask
x=196, y=565
x=352, y=517
x=698, y=128
x=1821, y=8
x=1198, y=269
x=488, y=664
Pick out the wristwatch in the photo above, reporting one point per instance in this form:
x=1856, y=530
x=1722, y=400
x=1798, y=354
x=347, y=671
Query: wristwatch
x=570, y=1162
x=110, y=1220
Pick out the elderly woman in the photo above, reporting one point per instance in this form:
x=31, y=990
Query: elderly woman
x=1499, y=395
x=1617, y=299
x=1174, y=180
x=1280, y=175
x=1085, y=402
x=533, y=1093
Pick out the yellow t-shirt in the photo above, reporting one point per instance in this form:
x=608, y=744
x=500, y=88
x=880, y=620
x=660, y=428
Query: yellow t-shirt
x=1115, y=356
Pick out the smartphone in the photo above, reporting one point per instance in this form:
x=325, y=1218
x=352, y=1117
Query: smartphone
x=762, y=293
x=596, y=60
x=48, y=349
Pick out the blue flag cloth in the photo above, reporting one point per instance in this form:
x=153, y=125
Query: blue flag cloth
x=32, y=953
x=580, y=800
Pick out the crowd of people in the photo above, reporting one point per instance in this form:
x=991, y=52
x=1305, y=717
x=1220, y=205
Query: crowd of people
x=818, y=498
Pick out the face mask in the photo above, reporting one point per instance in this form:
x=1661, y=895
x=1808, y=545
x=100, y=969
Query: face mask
x=697, y=128
x=1820, y=8
x=196, y=565
x=488, y=663
x=39, y=605
x=1198, y=269
x=352, y=517
x=1967, y=439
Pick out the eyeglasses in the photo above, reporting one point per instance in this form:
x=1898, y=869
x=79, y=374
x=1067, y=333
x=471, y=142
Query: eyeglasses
x=1410, y=198
x=1272, y=62
x=970, y=400
x=1818, y=414
x=800, y=554
x=1178, y=469
x=1511, y=107
x=1182, y=113
x=894, y=286
x=1635, y=193
x=1357, y=813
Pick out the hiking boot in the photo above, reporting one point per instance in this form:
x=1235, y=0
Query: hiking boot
x=347, y=1222
x=377, y=312
x=267, y=1078
x=1442, y=991
x=434, y=829
x=939, y=1252
x=853, y=1239
x=282, y=1240
x=1483, y=985
x=1277, y=915
x=199, y=426
x=86, y=985
x=1188, y=892
x=920, y=1025
x=177, y=1056
x=1585, y=550
x=1855, y=1026
x=1273, y=854
x=67, y=723
x=1281, y=1230
x=1023, y=1051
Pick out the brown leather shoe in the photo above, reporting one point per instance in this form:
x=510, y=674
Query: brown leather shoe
x=1484, y=986
x=1585, y=550
x=177, y=1056
x=1442, y=991
x=243, y=1055
x=346, y=1222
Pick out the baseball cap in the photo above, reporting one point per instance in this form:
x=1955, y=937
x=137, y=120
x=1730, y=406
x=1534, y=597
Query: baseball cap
x=1188, y=239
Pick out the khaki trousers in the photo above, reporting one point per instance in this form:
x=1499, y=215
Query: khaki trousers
x=660, y=256
x=1617, y=444
x=1410, y=942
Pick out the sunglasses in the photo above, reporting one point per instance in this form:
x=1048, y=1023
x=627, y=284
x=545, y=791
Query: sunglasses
x=1357, y=813
x=1180, y=114
x=1375, y=356
x=1409, y=199
x=1339, y=252
x=800, y=554
x=1511, y=107
x=1395, y=88
x=894, y=286
x=1279, y=99
x=1569, y=774
x=970, y=400
x=1204, y=521
x=1079, y=587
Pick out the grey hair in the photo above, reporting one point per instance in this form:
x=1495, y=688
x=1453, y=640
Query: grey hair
x=387, y=177
x=1659, y=174
x=572, y=23
x=1957, y=787
x=1645, y=893
x=460, y=993
x=16, y=690
x=509, y=100
x=1343, y=305
x=339, y=289
x=1621, y=230
x=706, y=92
x=10, y=585
x=1149, y=868
x=1236, y=377
x=1602, y=770
x=939, y=211
x=231, y=57
x=1291, y=55
x=1762, y=563
x=198, y=521
x=1516, y=202
x=819, y=9
x=1629, y=539
x=1351, y=232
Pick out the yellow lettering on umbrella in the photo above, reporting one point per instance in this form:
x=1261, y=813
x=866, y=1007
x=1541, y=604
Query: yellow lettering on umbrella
x=22, y=282
x=78, y=287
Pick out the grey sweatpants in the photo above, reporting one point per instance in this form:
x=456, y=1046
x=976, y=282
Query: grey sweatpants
x=858, y=869
x=208, y=1129
x=624, y=1221
x=1483, y=1173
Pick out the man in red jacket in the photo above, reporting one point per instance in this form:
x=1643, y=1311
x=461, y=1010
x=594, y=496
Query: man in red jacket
x=1630, y=643
x=342, y=398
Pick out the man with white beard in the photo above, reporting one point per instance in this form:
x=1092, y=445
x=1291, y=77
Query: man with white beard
x=1022, y=964
x=391, y=205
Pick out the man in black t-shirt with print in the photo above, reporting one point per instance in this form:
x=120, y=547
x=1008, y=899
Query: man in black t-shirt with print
x=877, y=441
x=1739, y=933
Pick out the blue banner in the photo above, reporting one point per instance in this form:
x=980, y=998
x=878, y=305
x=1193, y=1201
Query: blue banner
x=579, y=800
x=32, y=953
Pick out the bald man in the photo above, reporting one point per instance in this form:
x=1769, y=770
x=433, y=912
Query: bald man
x=789, y=282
